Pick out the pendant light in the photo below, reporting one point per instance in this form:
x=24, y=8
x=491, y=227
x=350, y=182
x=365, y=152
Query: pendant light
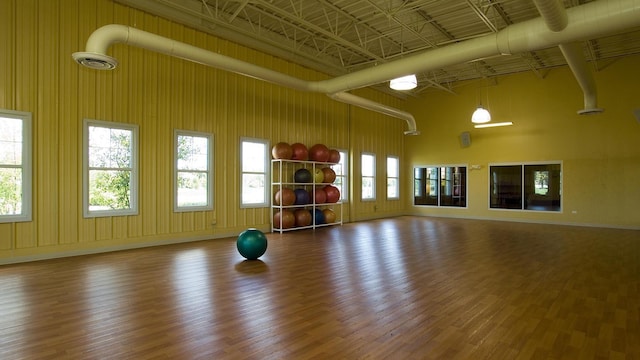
x=404, y=83
x=480, y=116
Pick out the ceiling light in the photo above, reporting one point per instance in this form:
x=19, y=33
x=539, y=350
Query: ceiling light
x=480, y=116
x=506, y=123
x=404, y=83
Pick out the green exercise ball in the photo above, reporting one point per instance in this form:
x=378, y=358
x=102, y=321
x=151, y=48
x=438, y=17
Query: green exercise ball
x=252, y=243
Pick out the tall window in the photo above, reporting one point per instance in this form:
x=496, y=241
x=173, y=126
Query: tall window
x=368, y=176
x=254, y=155
x=110, y=169
x=342, y=171
x=15, y=166
x=193, y=171
x=393, y=173
x=534, y=186
x=440, y=186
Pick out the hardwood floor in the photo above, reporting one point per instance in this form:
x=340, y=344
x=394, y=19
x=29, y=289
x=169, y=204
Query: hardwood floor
x=403, y=288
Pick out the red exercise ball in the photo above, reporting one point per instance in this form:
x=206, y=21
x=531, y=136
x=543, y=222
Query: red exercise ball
x=332, y=193
x=329, y=216
x=303, y=217
x=320, y=196
x=299, y=152
x=288, y=219
x=281, y=150
x=285, y=197
x=329, y=176
x=319, y=152
x=334, y=156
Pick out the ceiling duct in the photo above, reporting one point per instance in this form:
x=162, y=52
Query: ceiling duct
x=583, y=22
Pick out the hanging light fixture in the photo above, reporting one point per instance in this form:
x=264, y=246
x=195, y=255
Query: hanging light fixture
x=506, y=123
x=404, y=83
x=480, y=116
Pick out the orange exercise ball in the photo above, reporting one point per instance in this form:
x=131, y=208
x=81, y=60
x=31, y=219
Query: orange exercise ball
x=281, y=150
x=299, y=152
x=288, y=219
x=319, y=152
x=285, y=197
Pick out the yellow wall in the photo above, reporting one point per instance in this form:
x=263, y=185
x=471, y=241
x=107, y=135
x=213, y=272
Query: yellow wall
x=600, y=153
x=160, y=94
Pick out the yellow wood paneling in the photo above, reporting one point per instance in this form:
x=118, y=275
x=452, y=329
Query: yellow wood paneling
x=159, y=94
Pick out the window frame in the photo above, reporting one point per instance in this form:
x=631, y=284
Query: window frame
x=266, y=173
x=524, y=201
x=344, y=165
x=133, y=179
x=363, y=177
x=435, y=185
x=26, y=166
x=209, y=171
x=397, y=177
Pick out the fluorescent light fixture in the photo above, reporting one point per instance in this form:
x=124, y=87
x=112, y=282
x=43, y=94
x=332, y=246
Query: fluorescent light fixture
x=506, y=123
x=404, y=83
x=480, y=116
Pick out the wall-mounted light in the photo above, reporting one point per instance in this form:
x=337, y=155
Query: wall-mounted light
x=404, y=83
x=506, y=123
x=480, y=116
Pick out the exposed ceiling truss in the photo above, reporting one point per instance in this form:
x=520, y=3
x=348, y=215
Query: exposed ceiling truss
x=342, y=36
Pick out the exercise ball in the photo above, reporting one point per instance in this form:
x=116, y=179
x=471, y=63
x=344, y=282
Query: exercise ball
x=329, y=176
x=318, y=216
x=303, y=217
x=252, y=243
x=320, y=196
x=302, y=176
x=285, y=197
x=334, y=156
x=318, y=176
x=332, y=193
x=281, y=150
x=319, y=152
x=288, y=219
x=299, y=152
x=302, y=197
x=329, y=216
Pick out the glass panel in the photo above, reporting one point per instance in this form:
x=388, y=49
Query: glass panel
x=542, y=187
x=253, y=189
x=193, y=153
x=392, y=167
x=253, y=155
x=453, y=186
x=109, y=190
x=10, y=141
x=10, y=191
x=192, y=189
x=392, y=188
x=368, y=165
x=506, y=186
x=109, y=148
x=367, y=188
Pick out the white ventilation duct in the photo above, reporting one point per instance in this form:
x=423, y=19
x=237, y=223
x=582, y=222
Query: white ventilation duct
x=555, y=16
x=584, y=22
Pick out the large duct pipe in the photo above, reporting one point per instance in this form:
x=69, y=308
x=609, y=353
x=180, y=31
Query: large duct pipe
x=584, y=22
x=555, y=16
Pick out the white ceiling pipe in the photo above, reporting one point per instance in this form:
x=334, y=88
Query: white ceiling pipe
x=585, y=21
x=553, y=13
x=555, y=16
x=100, y=40
x=374, y=106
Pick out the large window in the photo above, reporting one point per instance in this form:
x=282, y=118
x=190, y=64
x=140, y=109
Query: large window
x=342, y=171
x=368, y=176
x=440, y=186
x=393, y=181
x=254, y=156
x=15, y=166
x=110, y=169
x=193, y=171
x=534, y=186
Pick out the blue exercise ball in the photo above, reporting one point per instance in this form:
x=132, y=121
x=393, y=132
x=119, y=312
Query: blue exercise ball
x=302, y=197
x=252, y=243
x=318, y=216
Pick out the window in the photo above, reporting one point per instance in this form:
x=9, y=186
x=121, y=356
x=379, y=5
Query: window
x=254, y=155
x=526, y=186
x=393, y=183
x=368, y=177
x=440, y=186
x=341, y=170
x=110, y=169
x=15, y=166
x=193, y=171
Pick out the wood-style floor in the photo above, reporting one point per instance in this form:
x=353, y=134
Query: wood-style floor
x=403, y=288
